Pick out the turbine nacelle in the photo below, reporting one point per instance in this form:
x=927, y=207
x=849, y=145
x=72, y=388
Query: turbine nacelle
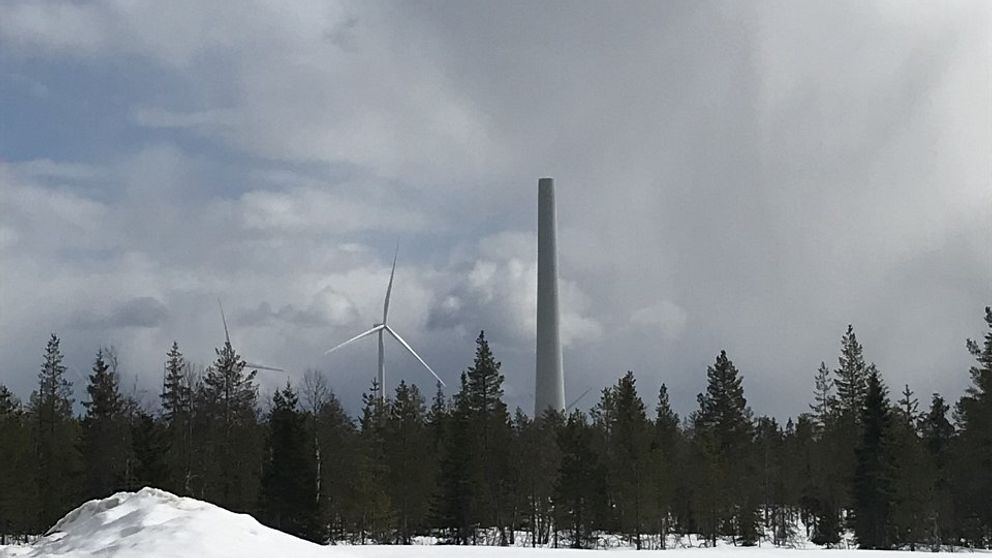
x=379, y=328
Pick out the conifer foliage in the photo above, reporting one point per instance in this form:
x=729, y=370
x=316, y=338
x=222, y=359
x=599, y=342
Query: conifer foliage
x=873, y=490
x=289, y=498
x=463, y=469
x=105, y=433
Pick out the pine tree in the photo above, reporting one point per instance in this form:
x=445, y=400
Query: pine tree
x=873, y=475
x=105, y=436
x=973, y=414
x=55, y=434
x=288, y=493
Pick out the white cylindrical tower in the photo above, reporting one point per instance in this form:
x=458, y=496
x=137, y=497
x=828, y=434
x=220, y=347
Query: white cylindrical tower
x=549, y=390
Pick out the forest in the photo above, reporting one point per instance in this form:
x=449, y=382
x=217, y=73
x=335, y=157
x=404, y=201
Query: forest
x=867, y=460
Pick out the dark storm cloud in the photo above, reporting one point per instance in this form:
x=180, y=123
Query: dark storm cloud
x=263, y=314
x=748, y=176
x=141, y=312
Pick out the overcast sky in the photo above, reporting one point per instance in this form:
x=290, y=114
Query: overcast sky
x=731, y=175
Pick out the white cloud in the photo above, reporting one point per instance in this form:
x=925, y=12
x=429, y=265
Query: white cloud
x=665, y=316
x=316, y=81
x=315, y=210
x=773, y=174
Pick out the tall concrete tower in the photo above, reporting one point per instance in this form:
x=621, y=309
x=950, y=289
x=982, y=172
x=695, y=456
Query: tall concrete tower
x=550, y=383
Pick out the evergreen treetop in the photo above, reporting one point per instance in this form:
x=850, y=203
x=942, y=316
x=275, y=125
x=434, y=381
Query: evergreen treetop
x=852, y=374
x=105, y=398
x=53, y=398
x=723, y=408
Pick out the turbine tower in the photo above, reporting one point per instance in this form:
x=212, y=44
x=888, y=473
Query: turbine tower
x=549, y=390
x=227, y=338
x=382, y=328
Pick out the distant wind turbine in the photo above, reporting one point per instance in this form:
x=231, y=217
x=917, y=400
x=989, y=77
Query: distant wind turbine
x=227, y=338
x=381, y=328
x=577, y=399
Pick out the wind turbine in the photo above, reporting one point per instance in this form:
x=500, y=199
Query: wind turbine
x=382, y=328
x=227, y=337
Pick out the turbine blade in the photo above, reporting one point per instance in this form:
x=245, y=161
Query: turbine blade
x=577, y=399
x=407, y=346
x=355, y=338
x=260, y=367
x=227, y=335
x=389, y=288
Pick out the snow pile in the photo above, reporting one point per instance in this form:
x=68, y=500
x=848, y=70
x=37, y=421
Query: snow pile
x=156, y=524
x=153, y=523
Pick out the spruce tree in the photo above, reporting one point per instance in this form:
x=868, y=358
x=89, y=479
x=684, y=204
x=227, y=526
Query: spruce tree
x=724, y=435
x=937, y=436
x=580, y=487
x=288, y=493
x=336, y=435
x=973, y=414
x=150, y=451
x=55, y=434
x=913, y=476
x=411, y=462
x=851, y=380
x=476, y=463
x=666, y=446
x=375, y=520
x=629, y=459
x=231, y=450
x=873, y=475
x=843, y=435
x=18, y=499
x=536, y=460
x=830, y=463
x=177, y=414
x=105, y=436
x=825, y=403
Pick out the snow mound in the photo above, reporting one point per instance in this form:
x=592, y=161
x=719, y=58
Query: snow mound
x=154, y=523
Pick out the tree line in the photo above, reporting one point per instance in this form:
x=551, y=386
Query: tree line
x=465, y=470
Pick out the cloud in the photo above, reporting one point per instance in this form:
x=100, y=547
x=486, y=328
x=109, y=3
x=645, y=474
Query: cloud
x=209, y=121
x=314, y=210
x=498, y=292
x=665, y=316
x=727, y=174
x=330, y=309
x=145, y=311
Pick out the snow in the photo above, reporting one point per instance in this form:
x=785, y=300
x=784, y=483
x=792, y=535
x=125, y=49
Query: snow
x=153, y=523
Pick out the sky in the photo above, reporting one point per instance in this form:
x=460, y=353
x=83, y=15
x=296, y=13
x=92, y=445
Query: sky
x=747, y=176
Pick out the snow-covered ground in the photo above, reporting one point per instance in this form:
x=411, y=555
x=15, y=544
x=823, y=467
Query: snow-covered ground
x=156, y=524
